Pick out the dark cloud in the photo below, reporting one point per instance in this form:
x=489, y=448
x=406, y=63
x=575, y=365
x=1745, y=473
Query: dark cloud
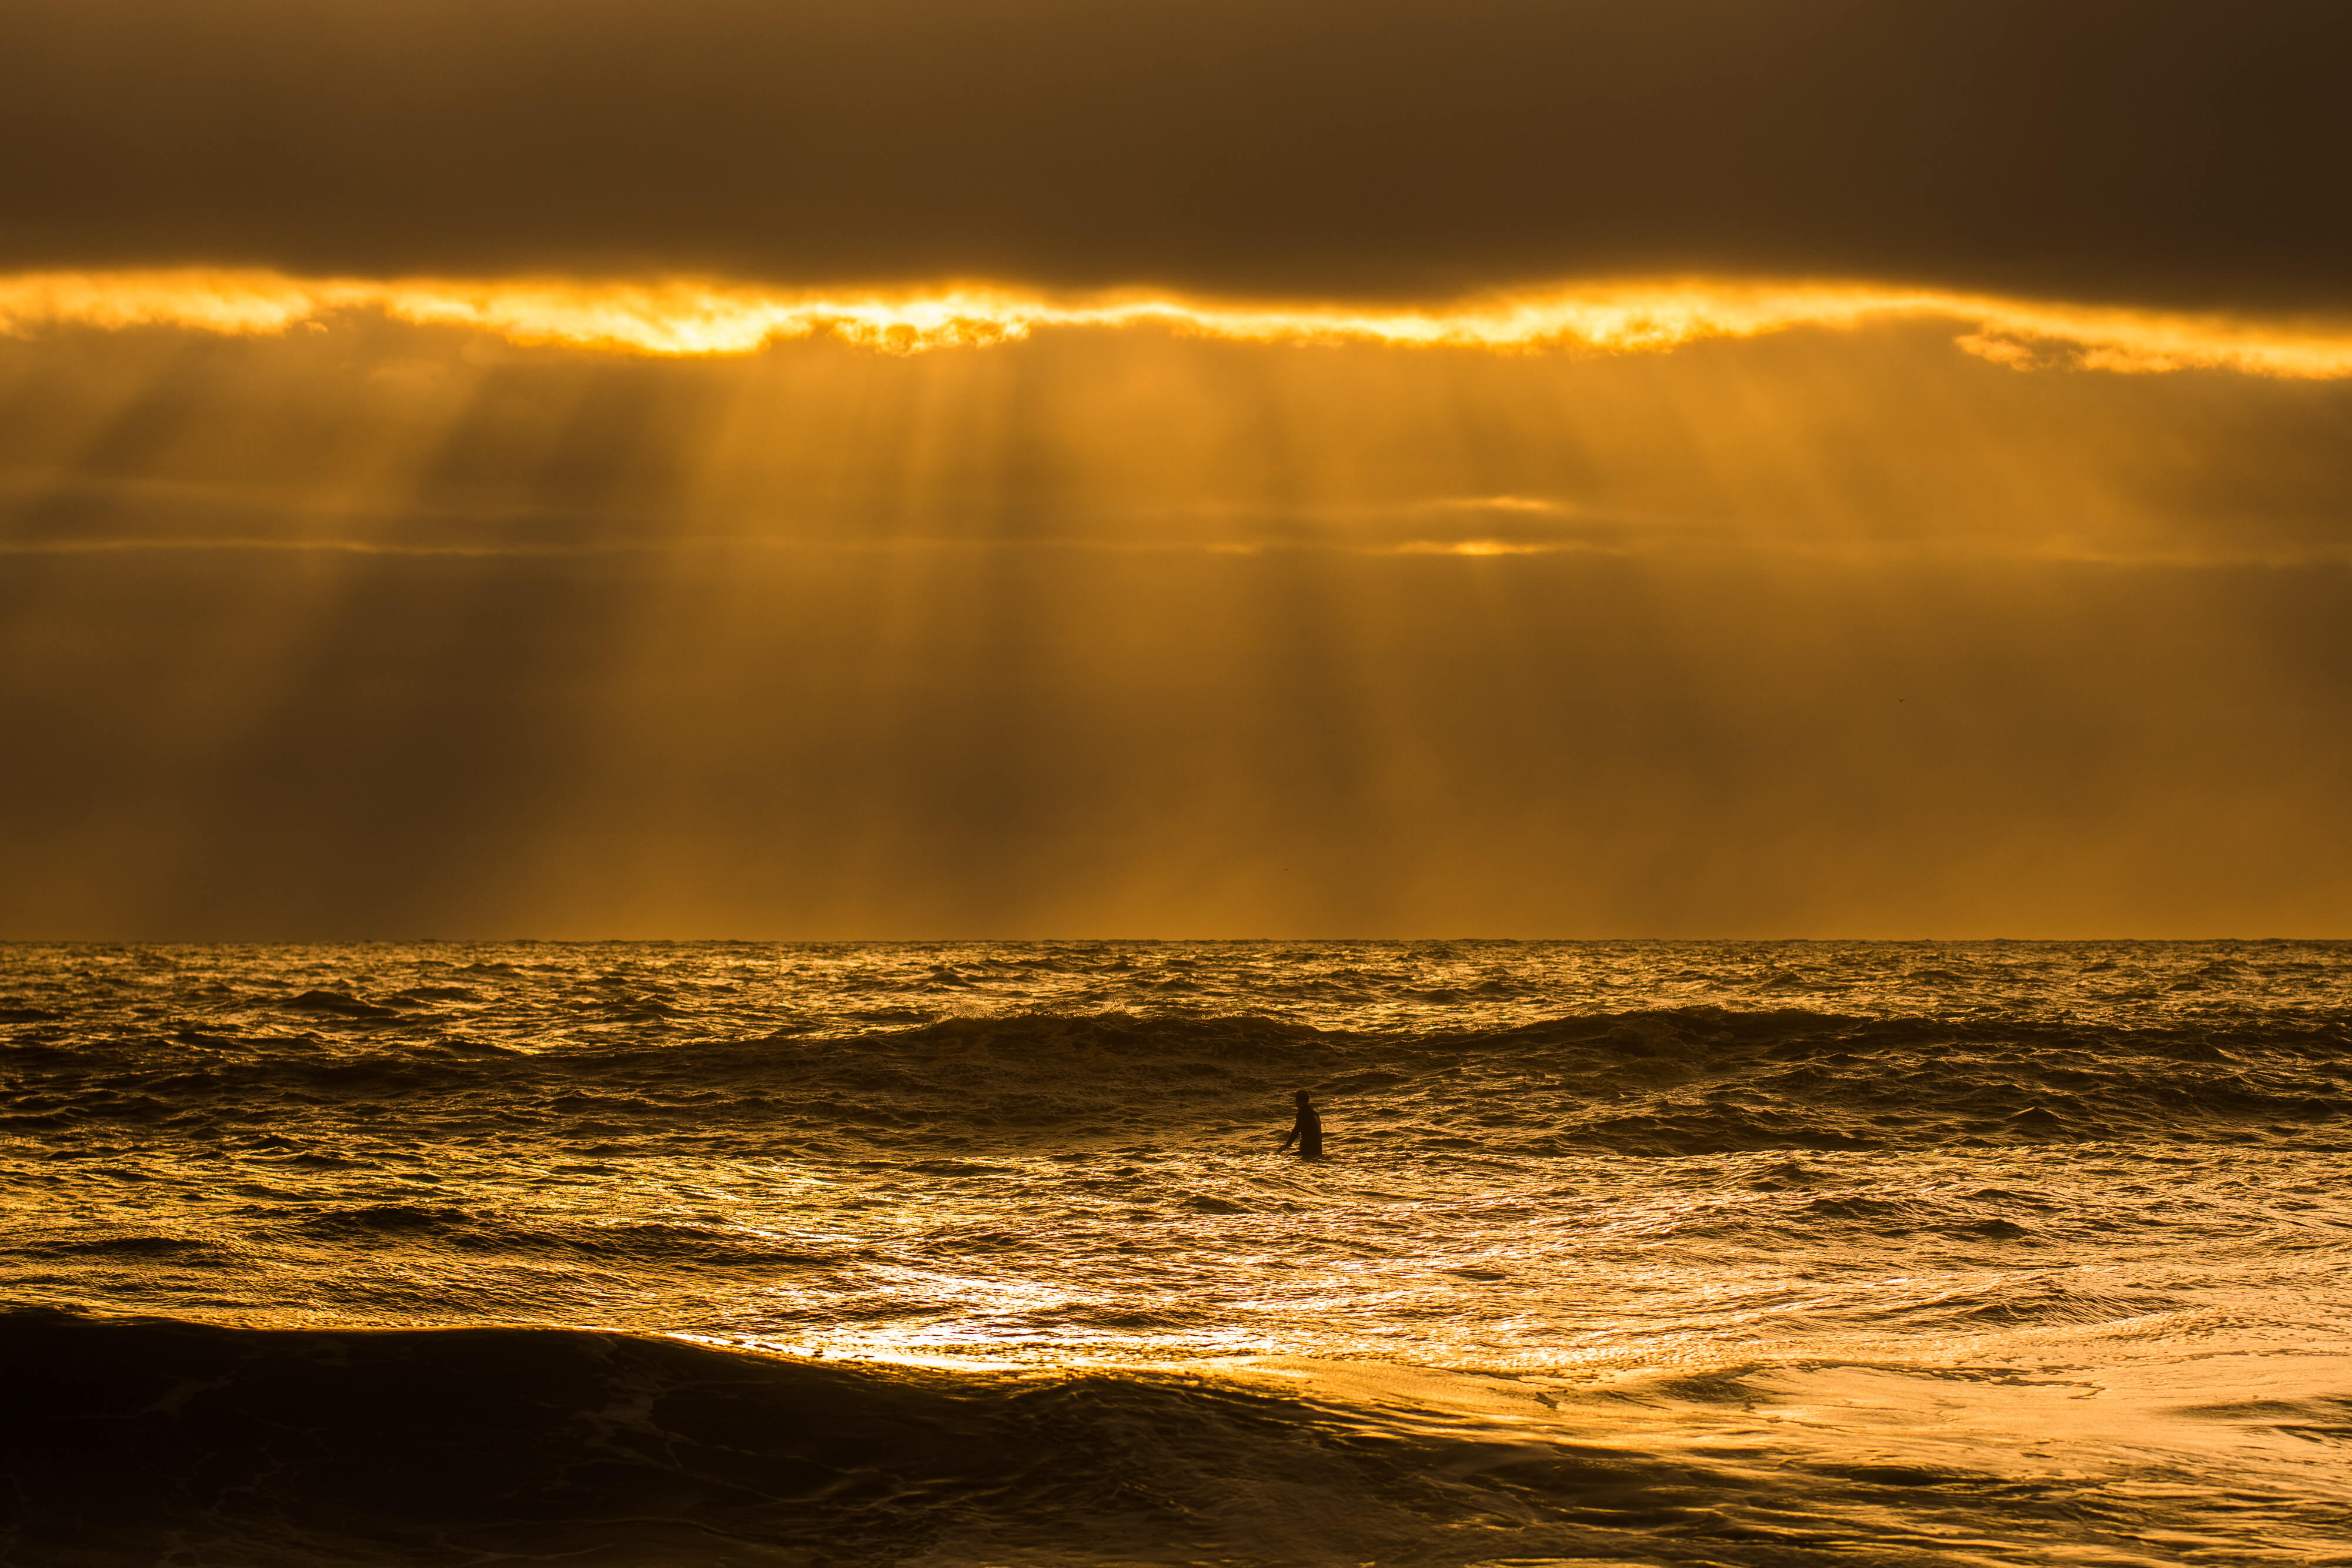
x=2152, y=151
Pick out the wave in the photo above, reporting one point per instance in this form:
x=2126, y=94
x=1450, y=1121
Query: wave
x=133, y=1440
x=1662, y=1081
x=147, y=1439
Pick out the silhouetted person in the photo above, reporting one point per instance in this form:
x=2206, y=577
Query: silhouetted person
x=1307, y=1130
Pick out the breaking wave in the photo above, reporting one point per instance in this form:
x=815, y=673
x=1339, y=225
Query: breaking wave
x=148, y=1439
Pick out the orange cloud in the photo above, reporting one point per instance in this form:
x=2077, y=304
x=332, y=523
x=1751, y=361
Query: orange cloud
x=683, y=316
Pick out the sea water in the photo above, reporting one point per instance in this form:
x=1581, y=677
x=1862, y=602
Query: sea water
x=701, y=1254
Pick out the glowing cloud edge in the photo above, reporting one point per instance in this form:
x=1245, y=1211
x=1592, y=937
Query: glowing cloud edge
x=683, y=316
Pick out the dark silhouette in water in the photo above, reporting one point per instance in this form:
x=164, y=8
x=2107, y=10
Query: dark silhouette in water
x=1307, y=1130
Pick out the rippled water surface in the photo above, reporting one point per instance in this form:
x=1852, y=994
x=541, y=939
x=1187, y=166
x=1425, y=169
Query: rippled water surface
x=1644, y=1252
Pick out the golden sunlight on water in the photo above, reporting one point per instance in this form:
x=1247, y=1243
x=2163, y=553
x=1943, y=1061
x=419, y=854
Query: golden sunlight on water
x=1676, y=1253
x=706, y=317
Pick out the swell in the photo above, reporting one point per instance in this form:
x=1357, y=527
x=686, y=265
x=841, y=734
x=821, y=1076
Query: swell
x=128, y=1436
x=1657, y=1081
x=134, y=1439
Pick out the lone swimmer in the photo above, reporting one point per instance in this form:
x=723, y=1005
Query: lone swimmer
x=1307, y=1130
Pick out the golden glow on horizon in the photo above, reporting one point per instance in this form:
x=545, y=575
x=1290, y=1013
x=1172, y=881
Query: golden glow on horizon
x=710, y=319
x=1472, y=547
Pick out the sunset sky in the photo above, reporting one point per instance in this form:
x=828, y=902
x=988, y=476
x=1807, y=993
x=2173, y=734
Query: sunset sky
x=1128, y=468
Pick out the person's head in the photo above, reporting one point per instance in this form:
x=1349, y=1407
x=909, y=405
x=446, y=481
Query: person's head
x=1300, y=1097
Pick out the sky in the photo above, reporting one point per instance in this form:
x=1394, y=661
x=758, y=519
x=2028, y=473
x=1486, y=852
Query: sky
x=911, y=469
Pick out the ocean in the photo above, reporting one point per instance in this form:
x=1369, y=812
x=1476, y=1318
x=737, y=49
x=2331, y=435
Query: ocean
x=649, y=1255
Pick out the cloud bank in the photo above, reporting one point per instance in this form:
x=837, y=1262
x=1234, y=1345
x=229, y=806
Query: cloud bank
x=2156, y=154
